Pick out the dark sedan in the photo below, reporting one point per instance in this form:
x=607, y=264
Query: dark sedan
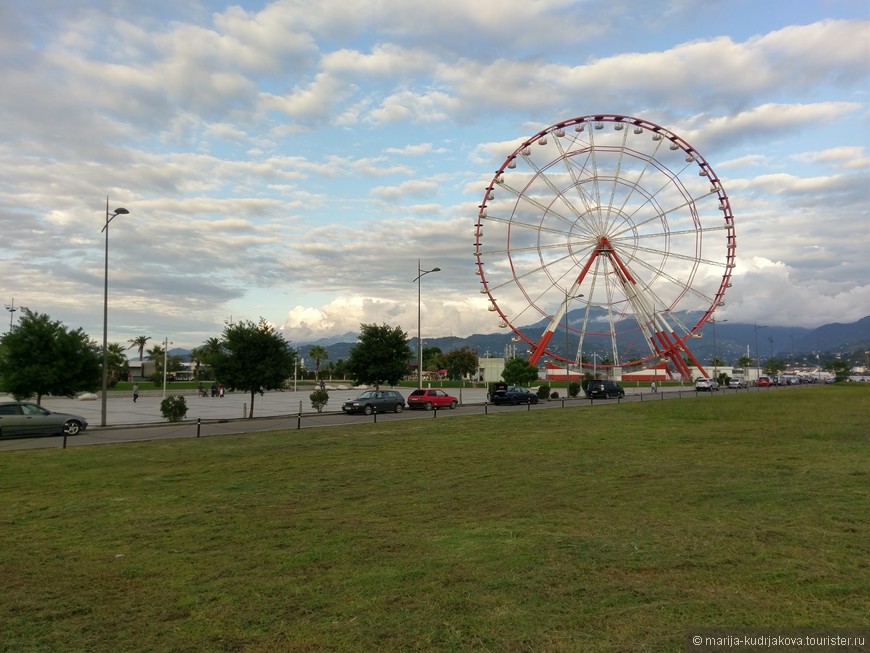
x=514, y=395
x=23, y=419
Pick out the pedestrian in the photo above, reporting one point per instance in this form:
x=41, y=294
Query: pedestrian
x=214, y=389
x=652, y=387
x=135, y=392
x=221, y=391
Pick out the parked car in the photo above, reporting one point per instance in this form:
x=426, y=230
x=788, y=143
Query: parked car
x=429, y=398
x=514, y=395
x=603, y=389
x=763, y=382
x=735, y=383
x=704, y=384
x=370, y=401
x=22, y=419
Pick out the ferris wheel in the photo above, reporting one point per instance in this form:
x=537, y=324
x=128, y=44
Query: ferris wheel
x=610, y=228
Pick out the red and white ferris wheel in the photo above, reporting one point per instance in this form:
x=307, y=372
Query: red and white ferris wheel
x=613, y=229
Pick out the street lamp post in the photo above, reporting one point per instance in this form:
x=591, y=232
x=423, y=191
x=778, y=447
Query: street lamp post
x=420, y=274
x=567, y=373
x=109, y=218
x=166, y=344
x=715, y=355
x=757, y=366
x=11, y=310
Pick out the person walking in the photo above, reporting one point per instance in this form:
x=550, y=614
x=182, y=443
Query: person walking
x=135, y=392
x=653, y=388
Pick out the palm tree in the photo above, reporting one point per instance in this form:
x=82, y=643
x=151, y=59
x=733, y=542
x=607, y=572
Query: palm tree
x=156, y=354
x=118, y=366
x=318, y=353
x=139, y=342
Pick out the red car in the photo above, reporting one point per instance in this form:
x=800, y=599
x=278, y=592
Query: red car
x=763, y=382
x=429, y=398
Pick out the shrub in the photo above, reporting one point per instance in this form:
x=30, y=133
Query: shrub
x=544, y=391
x=573, y=389
x=173, y=408
x=554, y=394
x=319, y=398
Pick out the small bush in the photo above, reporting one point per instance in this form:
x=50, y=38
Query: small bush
x=574, y=389
x=544, y=391
x=554, y=394
x=319, y=399
x=173, y=408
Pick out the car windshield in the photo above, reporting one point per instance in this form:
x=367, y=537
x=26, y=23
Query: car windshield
x=418, y=393
x=368, y=394
x=33, y=409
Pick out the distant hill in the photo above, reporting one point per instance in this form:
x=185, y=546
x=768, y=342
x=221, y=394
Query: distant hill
x=730, y=340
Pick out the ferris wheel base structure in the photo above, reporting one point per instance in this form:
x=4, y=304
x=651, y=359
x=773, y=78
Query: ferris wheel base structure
x=618, y=216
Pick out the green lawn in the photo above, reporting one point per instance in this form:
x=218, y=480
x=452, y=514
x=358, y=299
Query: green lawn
x=613, y=528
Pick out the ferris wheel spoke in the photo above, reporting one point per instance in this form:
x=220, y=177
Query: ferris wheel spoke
x=571, y=168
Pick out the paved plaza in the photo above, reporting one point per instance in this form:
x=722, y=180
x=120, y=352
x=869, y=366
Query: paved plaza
x=121, y=410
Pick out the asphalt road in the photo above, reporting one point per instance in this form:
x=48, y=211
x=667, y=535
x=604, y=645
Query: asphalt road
x=274, y=411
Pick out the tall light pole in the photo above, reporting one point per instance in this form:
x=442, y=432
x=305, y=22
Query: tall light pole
x=166, y=344
x=757, y=366
x=11, y=308
x=420, y=274
x=109, y=218
x=715, y=356
x=567, y=373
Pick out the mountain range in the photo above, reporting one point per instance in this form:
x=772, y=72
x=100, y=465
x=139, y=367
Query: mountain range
x=725, y=340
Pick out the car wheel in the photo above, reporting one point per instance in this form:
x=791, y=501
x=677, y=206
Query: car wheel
x=72, y=427
x=452, y=405
x=533, y=400
x=399, y=408
x=428, y=406
x=367, y=410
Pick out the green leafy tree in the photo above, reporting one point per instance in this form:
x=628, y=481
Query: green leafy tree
x=253, y=358
x=381, y=355
x=433, y=359
x=155, y=354
x=173, y=408
x=745, y=361
x=518, y=371
x=319, y=354
x=41, y=357
x=840, y=367
x=574, y=388
x=319, y=398
x=461, y=362
x=118, y=365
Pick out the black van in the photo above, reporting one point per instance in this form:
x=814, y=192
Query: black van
x=598, y=389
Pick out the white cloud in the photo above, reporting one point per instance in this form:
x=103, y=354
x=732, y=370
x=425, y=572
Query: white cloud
x=297, y=159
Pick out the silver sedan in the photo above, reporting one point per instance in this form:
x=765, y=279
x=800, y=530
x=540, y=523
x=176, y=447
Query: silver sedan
x=23, y=419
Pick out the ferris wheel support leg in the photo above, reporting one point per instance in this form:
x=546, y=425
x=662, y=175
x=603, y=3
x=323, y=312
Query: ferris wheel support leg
x=671, y=349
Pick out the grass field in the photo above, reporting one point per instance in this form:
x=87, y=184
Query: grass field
x=607, y=529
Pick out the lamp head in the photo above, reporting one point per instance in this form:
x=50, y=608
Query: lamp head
x=121, y=211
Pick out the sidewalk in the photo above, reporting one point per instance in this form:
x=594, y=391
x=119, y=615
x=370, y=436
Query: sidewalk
x=121, y=410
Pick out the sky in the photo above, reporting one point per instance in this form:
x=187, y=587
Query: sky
x=297, y=160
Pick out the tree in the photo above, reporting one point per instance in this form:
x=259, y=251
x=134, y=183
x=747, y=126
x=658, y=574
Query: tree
x=156, y=354
x=40, y=357
x=840, y=367
x=381, y=355
x=118, y=366
x=318, y=353
x=461, y=362
x=139, y=342
x=253, y=358
x=518, y=371
x=745, y=361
